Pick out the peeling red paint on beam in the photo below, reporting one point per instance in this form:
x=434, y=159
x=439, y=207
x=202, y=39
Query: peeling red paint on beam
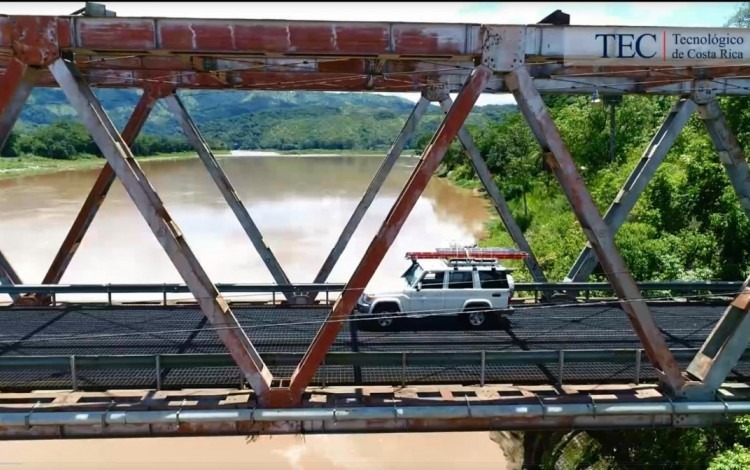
x=262, y=37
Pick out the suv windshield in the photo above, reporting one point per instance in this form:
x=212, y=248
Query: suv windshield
x=413, y=274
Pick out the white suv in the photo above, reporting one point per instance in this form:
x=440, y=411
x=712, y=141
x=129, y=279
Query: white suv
x=473, y=289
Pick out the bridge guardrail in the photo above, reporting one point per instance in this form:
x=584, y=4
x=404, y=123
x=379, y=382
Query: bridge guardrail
x=327, y=288
x=402, y=359
x=714, y=287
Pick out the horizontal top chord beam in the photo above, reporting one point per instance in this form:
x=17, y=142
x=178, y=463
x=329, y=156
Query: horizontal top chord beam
x=128, y=52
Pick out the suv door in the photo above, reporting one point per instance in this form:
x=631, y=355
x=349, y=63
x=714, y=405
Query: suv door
x=429, y=297
x=460, y=287
x=496, y=282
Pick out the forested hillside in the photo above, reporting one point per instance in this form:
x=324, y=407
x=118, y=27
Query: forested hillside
x=234, y=120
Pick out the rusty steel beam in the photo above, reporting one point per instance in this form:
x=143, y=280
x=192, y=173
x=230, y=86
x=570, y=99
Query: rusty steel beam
x=372, y=190
x=16, y=85
x=723, y=347
x=274, y=37
x=731, y=335
x=97, y=194
x=598, y=234
x=730, y=153
x=175, y=105
x=119, y=156
x=636, y=183
x=501, y=206
x=379, y=246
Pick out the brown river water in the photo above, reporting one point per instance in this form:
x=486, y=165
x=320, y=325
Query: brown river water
x=300, y=204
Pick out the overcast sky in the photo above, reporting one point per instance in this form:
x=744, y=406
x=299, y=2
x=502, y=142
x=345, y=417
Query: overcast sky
x=620, y=13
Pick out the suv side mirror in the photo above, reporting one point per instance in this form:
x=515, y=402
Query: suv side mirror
x=418, y=287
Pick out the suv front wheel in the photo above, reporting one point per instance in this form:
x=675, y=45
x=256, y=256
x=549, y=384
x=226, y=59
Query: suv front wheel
x=385, y=315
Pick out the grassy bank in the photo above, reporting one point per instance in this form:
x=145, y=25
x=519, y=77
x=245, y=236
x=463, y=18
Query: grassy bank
x=34, y=165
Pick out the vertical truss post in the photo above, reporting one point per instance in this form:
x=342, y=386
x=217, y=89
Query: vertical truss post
x=119, y=156
x=730, y=153
x=372, y=190
x=15, y=87
x=729, y=338
x=175, y=105
x=485, y=176
x=390, y=228
x=636, y=183
x=559, y=160
x=98, y=192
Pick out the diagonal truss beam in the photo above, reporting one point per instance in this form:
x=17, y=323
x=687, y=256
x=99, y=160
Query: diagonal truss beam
x=731, y=335
x=485, y=176
x=15, y=87
x=636, y=183
x=119, y=156
x=559, y=160
x=372, y=190
x=175, y=105
x=382, y=241
x=730, y=153
x=96, y=195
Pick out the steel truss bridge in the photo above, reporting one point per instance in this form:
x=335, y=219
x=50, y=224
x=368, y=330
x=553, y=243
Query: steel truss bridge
x=674, y=364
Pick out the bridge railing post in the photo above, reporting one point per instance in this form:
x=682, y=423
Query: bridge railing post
x=136, y=184
x=596, y=230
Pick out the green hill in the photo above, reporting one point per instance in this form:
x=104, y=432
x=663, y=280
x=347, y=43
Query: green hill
x=262, y=119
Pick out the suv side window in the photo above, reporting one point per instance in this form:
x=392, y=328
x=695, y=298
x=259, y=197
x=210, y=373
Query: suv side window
x=493, y=279
x=460, y=280
x=433, y=280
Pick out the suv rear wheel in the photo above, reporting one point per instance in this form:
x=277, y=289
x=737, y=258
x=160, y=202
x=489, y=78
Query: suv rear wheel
x=476, y=316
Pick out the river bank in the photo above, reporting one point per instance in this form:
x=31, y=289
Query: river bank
x=29, y=165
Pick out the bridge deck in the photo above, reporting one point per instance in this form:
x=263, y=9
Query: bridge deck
x=178, y=330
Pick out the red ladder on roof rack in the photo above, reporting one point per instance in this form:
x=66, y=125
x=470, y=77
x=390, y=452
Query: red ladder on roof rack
x=468, y=254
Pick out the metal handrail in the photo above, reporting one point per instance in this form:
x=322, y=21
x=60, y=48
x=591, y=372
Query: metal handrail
x=715, y=286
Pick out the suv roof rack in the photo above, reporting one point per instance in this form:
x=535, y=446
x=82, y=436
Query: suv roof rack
x=468, y=255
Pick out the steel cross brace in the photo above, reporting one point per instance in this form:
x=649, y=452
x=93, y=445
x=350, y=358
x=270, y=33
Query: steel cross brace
x=15, y=87
x=175, y=105
x=729, y=338
x=559, y=160
x=368, y=197
x=636, y=183
x=485, y=176
x=98, y=192
x=382, y=241
x=127, y=170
